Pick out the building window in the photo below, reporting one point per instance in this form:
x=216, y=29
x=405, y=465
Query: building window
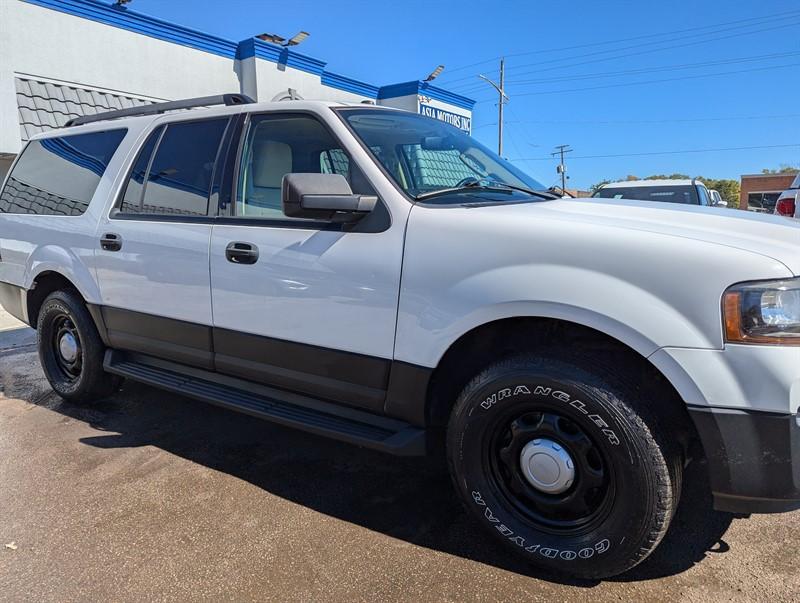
x=764, y=202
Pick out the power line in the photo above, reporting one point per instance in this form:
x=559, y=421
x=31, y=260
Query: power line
x=657, y=69
x=705, y=40
x=525, y=130
x=584, y=122
x=620, y=40
x=649, y=153
x=672, y=79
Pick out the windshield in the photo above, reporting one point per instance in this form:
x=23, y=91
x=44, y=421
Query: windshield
x=671, y=194
x=423, y=155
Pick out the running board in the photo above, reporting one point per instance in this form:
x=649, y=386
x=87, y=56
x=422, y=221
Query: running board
x=293, y=410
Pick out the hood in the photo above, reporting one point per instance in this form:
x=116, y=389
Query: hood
x=775, y=237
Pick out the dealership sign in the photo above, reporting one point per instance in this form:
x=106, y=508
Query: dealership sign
x=462, y=122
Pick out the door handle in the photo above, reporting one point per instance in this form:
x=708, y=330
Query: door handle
x=241, y=253
x=111, y=242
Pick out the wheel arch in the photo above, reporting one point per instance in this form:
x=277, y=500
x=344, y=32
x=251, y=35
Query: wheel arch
x=43, y=284
x=59, y=260
x=501, y=338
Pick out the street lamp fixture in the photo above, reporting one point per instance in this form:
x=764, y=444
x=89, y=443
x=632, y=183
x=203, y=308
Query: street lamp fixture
x=297, y=38
x=434, y=74
x=276, y=39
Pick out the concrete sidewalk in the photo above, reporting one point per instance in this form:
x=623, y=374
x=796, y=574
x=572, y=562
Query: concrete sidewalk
x=13, y=333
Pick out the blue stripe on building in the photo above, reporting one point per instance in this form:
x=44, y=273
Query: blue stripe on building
x=133, y=21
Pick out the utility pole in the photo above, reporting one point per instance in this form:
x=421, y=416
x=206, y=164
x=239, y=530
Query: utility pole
x=503, y=100
x=562, y=167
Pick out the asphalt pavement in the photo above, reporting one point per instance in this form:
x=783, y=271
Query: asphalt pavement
x=152, y=496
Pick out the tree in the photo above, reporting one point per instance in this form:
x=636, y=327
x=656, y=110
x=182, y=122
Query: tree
x=783, y=169
x=595, y=187
x=728, y=189
x=670, y=177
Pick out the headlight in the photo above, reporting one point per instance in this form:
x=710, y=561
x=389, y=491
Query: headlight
x=766, y=312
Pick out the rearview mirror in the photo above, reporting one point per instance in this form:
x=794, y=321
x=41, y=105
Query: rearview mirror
x=438, y=143
x=325, y=197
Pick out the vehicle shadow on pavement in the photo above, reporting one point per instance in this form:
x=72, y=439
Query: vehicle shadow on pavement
x=405, y=498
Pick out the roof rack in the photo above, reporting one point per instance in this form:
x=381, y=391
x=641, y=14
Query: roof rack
x=155, y=108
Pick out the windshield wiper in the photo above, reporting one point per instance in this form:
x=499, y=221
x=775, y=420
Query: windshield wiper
x=472, y=186
x=484, y=185
x=543, y=194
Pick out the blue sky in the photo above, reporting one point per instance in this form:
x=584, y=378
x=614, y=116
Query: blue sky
x=732, y=72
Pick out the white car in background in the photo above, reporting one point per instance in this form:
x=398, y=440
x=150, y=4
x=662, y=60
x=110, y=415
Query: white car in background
x=716, y=199
x=788, y=203
x=685, y=192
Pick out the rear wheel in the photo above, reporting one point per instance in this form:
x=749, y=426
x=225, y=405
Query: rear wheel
x=564, y=464
x=71, y=351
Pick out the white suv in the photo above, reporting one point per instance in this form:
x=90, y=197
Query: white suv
x=381, y=278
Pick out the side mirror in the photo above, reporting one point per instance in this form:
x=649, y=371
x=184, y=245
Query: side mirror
x=325, y=197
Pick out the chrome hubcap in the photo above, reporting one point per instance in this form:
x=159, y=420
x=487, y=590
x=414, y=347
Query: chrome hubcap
x=68, y=347
x=547, y=466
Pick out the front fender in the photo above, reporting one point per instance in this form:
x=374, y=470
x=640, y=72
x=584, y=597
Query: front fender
x=464, y=267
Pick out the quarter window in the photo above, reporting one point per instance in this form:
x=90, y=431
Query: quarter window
x=58, y=176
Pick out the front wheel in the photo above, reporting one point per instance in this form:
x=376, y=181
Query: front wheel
x=564, y=464
x=71, y=351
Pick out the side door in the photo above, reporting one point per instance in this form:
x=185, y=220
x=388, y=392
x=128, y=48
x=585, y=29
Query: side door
x=313, y=306
x=152, y=253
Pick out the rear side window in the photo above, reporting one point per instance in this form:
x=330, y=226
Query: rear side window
x=177, y=180
x=685, y=194
x=58, y=176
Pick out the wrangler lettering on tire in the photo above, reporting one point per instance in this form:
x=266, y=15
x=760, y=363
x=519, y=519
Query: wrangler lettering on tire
x=563, y=462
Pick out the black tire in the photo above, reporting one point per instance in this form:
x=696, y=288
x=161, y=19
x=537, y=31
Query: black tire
x=625, y=469
x=77, y=377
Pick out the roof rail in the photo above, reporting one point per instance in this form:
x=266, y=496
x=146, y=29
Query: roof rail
x=189, y=103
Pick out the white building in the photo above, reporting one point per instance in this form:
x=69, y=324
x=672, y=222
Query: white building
x=66, y=58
